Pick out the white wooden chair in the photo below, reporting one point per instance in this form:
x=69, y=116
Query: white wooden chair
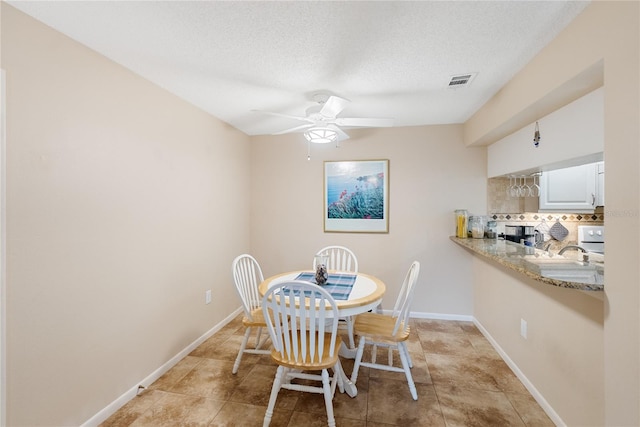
x=247, y=276
x=392, y=331
x=341, y=259
x=304, y=334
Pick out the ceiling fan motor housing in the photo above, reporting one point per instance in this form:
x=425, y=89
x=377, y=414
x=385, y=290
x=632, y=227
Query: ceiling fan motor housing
x=313, y=112
x=322, y=121
x=320, y=98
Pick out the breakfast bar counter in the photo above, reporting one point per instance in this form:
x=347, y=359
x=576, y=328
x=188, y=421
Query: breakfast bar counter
x=552, y=269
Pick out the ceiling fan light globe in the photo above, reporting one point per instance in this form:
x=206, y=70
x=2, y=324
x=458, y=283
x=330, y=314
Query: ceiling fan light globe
x=321, y=135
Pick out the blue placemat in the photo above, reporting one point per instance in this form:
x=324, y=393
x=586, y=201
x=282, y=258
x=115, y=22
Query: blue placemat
x=339, y=285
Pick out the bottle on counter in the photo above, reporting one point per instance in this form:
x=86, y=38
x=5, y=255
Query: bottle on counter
x=462, y=217
x=492, y=230
x=476, y=226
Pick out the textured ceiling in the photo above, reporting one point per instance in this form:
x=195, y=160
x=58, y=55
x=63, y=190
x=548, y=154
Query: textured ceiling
x=391, y=59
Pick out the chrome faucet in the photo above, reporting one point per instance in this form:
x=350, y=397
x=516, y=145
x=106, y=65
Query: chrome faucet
x=585, y=253
x=580, y=248
x=541, y=245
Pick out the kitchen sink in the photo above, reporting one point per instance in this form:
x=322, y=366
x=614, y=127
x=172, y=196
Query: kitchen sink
x=554, y=261
x=569, y=270
x=590, y=277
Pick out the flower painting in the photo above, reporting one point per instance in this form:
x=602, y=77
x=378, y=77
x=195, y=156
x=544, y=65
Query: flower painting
x=356, y=196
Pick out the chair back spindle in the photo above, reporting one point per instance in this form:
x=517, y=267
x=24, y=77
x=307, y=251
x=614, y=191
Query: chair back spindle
x=340, y=258
x=247, y=276
x=402, y=308
x=300, y=315
x=302, y=320
x=381, y=330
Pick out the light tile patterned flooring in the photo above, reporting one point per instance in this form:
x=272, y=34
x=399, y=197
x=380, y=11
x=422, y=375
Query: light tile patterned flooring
x=461, y=381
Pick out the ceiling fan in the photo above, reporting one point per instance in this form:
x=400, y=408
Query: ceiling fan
x=322, y=124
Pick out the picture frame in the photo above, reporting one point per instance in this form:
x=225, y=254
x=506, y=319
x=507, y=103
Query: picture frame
x=356, y=196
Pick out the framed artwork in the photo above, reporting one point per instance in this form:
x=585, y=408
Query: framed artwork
x=356, y=196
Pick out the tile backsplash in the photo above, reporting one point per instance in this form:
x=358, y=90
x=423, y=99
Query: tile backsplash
x=499, y=202
x=507, y=210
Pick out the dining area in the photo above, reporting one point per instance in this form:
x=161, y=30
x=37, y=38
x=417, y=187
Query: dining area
x=344, y=353
x=459, y=378
x=301, y=311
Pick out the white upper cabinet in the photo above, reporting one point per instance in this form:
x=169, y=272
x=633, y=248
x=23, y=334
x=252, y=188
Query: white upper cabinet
x=600, y=184
x=576, y=189
x=571, y=135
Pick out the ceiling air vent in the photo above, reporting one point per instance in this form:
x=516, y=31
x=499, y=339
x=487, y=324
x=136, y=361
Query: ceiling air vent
x=461, y=80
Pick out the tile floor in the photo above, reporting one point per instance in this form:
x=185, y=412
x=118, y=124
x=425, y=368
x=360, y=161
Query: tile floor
x=461, y=381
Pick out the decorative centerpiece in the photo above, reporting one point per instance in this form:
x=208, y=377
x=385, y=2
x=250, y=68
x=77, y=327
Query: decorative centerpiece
x=321, y=269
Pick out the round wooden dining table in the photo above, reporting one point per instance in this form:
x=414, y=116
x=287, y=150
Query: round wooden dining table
x=365, y=295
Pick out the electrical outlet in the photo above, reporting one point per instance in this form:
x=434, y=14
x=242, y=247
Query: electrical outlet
x=207, y=297
x=523, y=328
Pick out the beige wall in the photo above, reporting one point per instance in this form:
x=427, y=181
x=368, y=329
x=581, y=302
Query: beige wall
x=124, y=204
x=431, y=173
x=563, y=353
x=602, y=44
x=571, y=135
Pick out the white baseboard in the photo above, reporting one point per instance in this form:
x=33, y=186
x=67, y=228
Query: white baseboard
x=440, y=316
x=525, y=381
x=528, y=385
x=436, y=316
x=132, y=392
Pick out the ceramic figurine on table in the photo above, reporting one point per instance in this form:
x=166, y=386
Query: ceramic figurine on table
x=321, y=274
x=320, y=262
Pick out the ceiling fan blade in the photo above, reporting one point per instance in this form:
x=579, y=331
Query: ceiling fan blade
x=364, y=122
x=341, y=134
x=333, y=106
x=297, y=128
x=288, y=116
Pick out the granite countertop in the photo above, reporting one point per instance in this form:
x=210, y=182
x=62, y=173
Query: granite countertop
x=565, y=271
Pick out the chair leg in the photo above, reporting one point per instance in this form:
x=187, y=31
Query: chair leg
x=236, y=365
x=339, y=375
x=259, y=338
x=352, y=343
x=402, y=349
x=356, y=364
x=274, y=395
x=328, y=398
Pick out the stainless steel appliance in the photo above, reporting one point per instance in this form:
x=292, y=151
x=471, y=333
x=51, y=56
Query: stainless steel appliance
x=517, y=233
x=591, y=237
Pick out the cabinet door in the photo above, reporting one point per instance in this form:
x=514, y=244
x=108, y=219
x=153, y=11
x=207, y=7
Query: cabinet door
x=600, y=184
x=569, y=190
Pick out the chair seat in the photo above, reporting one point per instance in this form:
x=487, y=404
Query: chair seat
x=302, y=323
x=327, y=361
x=389, y=331
x=378, y=327
x=258, y=319
x=247, y=276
